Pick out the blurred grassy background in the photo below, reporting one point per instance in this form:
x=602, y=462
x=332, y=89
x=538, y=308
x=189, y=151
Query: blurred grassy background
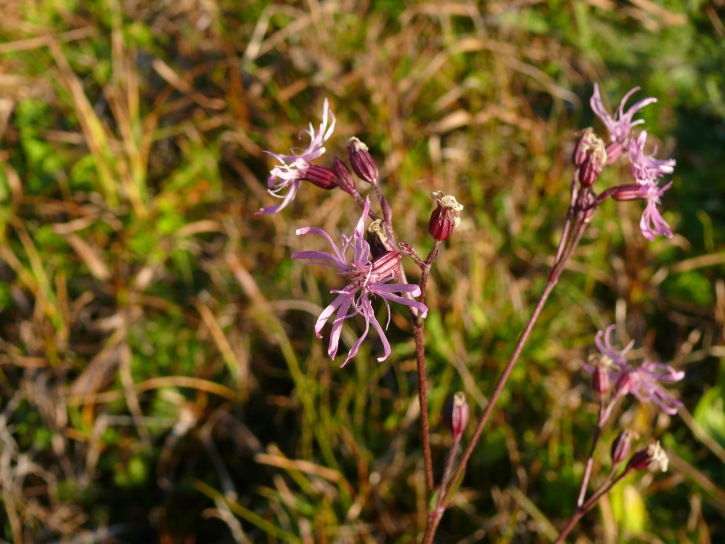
x=159, y=375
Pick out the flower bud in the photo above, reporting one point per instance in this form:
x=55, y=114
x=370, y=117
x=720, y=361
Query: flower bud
x=320, y=176
x=377, y=239
x=653, y=456
x=445, y=217
x=621, y=446
x=455, y=414
x=361, y=160
x=344, y=178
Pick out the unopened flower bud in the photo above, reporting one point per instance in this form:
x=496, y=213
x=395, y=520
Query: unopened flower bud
x=362, y=161
x=653, y=456
x=445, y=217
x=377, y=239
x=455, y=414
x=621, y=445
x=344, y=178
x=321, y=176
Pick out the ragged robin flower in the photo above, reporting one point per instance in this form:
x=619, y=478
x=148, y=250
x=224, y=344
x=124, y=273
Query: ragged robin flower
x=293, y=169
x=643, y=382
x=646, y=169
x=366, y=278
x=620, y=125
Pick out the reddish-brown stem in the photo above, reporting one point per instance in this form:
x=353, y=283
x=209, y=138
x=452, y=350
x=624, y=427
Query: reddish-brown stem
x=418, y=324
x=434, y=519
x=578, y=216
x=423, y=399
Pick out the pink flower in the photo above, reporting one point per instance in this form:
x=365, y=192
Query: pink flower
x=611, y=359
x=293, y=168
x=647, y=169
x=652, y=222
x=621, y=124
x=643, y=382
x=366, y=277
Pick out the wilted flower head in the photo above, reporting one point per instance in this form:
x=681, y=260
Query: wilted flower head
x=366, y=277
x=642, y=382
x=293, y=168
x=653, y=457
x=446, y=216
x=620, y=125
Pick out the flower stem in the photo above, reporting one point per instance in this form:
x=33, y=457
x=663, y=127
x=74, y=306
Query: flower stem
x=418, y=324
x=434, y=519
x=578, y=216
x=423, y=399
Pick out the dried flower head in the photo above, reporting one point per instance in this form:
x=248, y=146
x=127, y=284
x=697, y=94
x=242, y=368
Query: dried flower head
x=293, y=168
x=365, y=278
x=590, y=156
x=446, y=216
x=378, y=239
x=653, y=457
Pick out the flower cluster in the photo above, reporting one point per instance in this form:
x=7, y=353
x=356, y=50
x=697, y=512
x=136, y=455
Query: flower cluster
x=643, y=382
x=646, y=169
x=365, y=277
